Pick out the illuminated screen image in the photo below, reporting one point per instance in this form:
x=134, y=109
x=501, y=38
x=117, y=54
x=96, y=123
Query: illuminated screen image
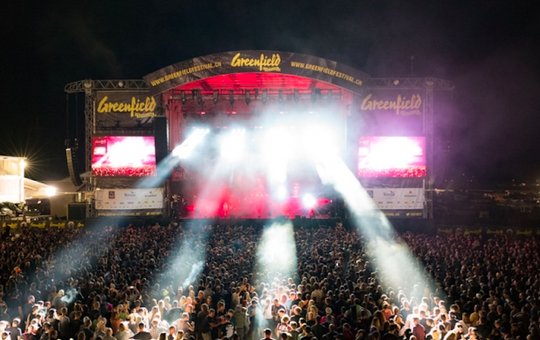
x=389, y=156
x=123, y=156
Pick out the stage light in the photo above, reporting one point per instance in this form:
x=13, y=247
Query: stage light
x=308, y=201
x=277, y=143
x=50, y=191
x=184, y=150
x=281, y=193
x=276, y=149
x=315, y=95
x=232, y=145
x=319, y=141
x=197, y=96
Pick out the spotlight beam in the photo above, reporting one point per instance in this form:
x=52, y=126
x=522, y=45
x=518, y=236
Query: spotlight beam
x=276, y=254
x=397, y=267
x=181, y=152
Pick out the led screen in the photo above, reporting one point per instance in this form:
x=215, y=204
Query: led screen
x=123, y=156
x=385, y=156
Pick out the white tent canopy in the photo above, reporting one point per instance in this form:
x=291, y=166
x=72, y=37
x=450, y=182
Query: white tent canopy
x=35, y=189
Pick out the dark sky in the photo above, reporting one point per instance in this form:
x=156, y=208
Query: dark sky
x=487, y=48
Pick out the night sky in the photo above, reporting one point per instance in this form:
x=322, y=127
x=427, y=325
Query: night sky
x=487, y=48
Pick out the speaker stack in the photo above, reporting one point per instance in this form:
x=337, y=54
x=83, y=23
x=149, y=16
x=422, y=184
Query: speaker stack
x=73, y=167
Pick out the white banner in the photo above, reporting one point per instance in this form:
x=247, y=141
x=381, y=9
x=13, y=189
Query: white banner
x=398, y=198
x=10, y=188
x=129, y=199
x=12, y=179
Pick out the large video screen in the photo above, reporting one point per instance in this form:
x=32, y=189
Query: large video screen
x=123, y=156
x=391, y=156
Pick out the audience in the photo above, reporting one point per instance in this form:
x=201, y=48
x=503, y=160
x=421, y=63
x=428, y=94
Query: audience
x=147, y=283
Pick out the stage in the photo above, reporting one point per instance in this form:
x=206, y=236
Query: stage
x=257, y=135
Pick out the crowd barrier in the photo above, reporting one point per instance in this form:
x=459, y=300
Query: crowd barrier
x=441, y=230
x=488, y=230
x=42, y=224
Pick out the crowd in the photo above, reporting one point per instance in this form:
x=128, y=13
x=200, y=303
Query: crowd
x=145, y=283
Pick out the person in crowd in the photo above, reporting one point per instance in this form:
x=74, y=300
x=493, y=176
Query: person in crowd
x=14, y=330
x=142, y=333
x=240, y=321
x=172, y=333
x=267, y=334
x=124, y=333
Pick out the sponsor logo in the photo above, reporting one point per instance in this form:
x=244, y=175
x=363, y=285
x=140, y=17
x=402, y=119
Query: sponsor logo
x=137, y=107
x=263, y=63
x=401, y=105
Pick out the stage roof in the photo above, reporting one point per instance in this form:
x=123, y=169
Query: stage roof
x=258, y=80
x=256, y=69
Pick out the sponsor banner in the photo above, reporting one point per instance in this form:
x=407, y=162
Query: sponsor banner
x=124, y=109
x=123, y=213
x=129, y=199
x=398, y=198
x=403, y=213
x=255, y=61
x=392, y=111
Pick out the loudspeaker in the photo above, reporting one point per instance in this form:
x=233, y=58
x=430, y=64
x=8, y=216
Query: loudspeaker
x=76, y=211
x=72, y=165
x=160, y=138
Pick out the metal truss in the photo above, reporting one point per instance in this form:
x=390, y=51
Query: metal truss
x=89, y=87
x=409, y=83
x=431, y=85
x=105, y=84
x=428, y=131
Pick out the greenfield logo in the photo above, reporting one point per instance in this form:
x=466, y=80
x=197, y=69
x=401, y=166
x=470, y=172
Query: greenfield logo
x=401, y=105
x=137, y=108
x=263, y=63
